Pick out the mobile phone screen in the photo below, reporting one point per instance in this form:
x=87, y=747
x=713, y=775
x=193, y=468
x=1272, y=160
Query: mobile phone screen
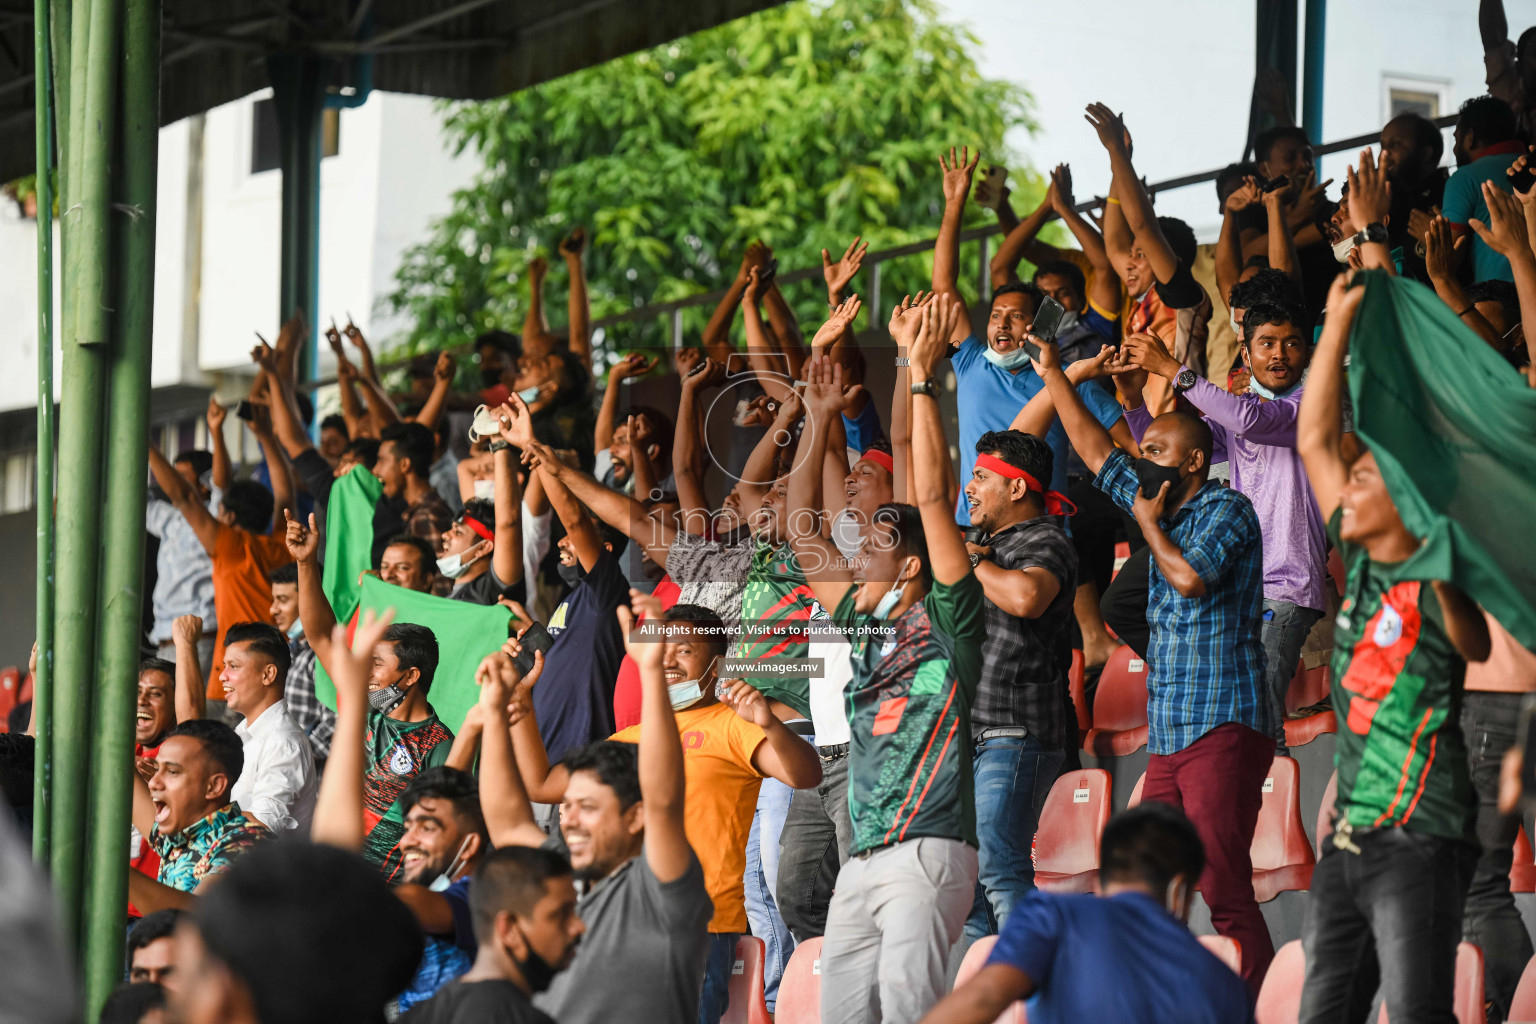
x=1047, y=321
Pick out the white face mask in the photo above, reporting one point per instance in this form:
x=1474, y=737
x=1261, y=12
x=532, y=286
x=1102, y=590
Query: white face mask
x=889, y=602
x=485, y=490
x=1068, y=321
x=1343, y=247
x=1006, y=360
x=453, y=566
x=685, y=694
x=528, y=395
x=1237, y=327
x=296, y=630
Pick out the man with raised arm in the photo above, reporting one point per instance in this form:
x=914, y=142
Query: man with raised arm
x=1212, y=726
x=913, y=615
x=1388, y=891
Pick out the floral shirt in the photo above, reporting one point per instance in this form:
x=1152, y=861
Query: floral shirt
x=204, y=848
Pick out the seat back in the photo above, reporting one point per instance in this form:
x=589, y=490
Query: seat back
x=1228, y=951
x=1075, y=813
x=1523, y=1005
x=1279, y=838
x=10, y=692
x=1468, y=1005
x=1522, y=874
x=975, y=959
x=1280, y=995
x=1120, y=702
x=1308, y=686
x=1079, y=698
x=747, y=1005
x=1325, y=812
x=800, y=987
x=1136, y=792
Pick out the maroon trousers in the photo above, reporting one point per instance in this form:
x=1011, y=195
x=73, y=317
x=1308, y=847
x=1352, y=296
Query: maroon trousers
x=1217, y=782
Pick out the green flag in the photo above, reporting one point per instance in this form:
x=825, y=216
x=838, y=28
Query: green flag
x=349, y=537
x=465, y=633
x=1453, y=428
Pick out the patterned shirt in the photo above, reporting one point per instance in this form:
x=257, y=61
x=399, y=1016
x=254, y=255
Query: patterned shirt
x=909, y=761
x=1397, y=682
x=775, y=611
x=1024, y=662
x=183, y=572
x=317, y=720
x=710, y=573
x=1205, y=664
x=206, y=847
x=398, y=752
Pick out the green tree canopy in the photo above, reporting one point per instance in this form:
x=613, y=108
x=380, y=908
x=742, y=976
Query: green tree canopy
x=803, y=125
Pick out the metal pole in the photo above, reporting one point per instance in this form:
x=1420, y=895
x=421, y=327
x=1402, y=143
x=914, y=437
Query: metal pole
x=298, y=90
x=122, y=556
x=42, y=679
x=93, y=73
x=1312, y=68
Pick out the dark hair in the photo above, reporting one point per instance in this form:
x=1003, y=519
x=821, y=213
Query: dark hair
x=616, y=765
x=1152, y=844
x=158, y=665
x=667, y=498
x=1489, y=118
x=511, y=880
x=459, y=788
x=17, y=752
x=1495, y=290
x=412, y=441
x=220, y=742
x=1263, y=313
x=337, y=422
x=506, y=342
x=251, y=504
x=1426, y=134
x=607, y=534
x=1076, y=279
x=1021, y=451
x=364, y=450
x=291, y=918
x=201, y=461
x=287, y=574
x=306, y=407
x=152, y=928
x=1180, y=238
x=907, y=525
x=1230, y=178
x=704, y=620
x=408, y=540
x=130, y=1001
x=1264, y=142
x=574, y=376
x=482, y=511
x=415, y=647
x=266, y=640
x=1016, y=288
x=1267, y=287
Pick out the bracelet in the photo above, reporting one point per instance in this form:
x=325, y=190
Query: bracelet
x=1464, y=312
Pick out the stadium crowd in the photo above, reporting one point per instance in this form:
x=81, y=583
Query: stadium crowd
x=474, y=703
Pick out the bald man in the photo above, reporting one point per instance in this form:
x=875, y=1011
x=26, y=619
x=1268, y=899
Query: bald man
x=1212, y=726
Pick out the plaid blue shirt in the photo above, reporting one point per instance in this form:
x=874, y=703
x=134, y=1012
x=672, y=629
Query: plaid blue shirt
x=1205, y=664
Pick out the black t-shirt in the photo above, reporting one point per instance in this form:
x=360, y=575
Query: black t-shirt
x=487, y=588
x=574, y=698
x=477, y=1002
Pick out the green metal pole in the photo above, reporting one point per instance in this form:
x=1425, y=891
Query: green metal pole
x=298, y=91
x=42, y=679
x=122, y=557
x=87, y=261
x=1312, y=69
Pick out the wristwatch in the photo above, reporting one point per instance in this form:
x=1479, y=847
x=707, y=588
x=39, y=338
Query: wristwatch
x=975, y=559
x=1376, y=232
x=1184, y=380
x=500, y=445
x=925, y=387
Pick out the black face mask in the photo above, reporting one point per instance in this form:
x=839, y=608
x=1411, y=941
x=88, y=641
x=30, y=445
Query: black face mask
x=1152, y=477
x=386, y=698
x=571, y=574
x=535, y=971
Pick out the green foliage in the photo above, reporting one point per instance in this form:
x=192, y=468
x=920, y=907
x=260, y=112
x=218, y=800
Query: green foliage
x=803, y=125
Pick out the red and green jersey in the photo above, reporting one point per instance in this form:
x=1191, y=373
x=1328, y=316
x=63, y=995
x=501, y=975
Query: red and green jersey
x=909, y=708
x=775, y=613
x=1397, y=694
x=397, y=753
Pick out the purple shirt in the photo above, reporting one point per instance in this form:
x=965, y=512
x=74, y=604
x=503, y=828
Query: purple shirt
x=1258, y=440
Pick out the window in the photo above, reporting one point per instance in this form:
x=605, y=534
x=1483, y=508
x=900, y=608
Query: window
x=266, y=142
x=1407, y=101
x=1409, y=94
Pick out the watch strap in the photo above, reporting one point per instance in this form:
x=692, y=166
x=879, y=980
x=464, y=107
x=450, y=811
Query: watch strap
x=924, y=387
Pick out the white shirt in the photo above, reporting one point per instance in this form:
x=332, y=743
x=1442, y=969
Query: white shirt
x=829, y=711
x=278, y=784
x=537, y=531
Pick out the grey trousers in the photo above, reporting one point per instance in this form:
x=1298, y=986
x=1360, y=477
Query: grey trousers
x=812, y=848
x=895, y=916
x=1283, y=635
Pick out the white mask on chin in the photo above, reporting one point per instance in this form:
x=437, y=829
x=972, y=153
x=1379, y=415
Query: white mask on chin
x=1006, y=360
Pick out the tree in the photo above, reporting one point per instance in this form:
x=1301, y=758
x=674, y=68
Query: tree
x=802, y=125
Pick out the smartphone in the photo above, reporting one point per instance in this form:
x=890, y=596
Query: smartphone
x=1524, y=178
x=1268, y=185
x=536, y=638
x=1047, y=322
x=996, y=178
x=244, y=411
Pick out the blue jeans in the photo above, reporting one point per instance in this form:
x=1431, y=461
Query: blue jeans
x=716, y=995
x=761, y=876
x=1013, y=777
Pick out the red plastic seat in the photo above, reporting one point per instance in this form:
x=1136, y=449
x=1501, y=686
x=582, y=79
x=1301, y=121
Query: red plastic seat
x=975, y=960
x=1468, y=1004
x=10, y=692
x=747, y=1005
x=1280, y=995
x=1523, y=1005
x=1325, y=813
x=800, y=988
x=1119, y=707
x=1079, y=698
x=1122, y=551
x=1228, y=951
x=1136, y=792
x=1522, y=875
x=1308, y=686
x=1301, y=731
x=1282, y=857
x=1066, y=847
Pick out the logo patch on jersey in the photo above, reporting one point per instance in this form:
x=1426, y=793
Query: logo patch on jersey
x=887, y=647
x=400, y=760
x=1389, y=627
x=557, y=620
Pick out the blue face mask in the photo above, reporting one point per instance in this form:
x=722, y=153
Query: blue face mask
x=889, y=601
x=296, y=630
x=528, y=395
x=1006, y=360
x=1264, y=392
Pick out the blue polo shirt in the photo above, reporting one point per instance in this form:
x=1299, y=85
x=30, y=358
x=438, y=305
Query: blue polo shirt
x=1463, y=201
x=990, y=397
x=1116, y=958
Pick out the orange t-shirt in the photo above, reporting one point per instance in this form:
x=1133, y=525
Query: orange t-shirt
x=1510, y=668
x=241, y=591
x=722, y=797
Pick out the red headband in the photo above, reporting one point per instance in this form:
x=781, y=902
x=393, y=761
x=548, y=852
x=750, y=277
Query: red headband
x=479, y=527
x=1056, y=503
x=880, y=458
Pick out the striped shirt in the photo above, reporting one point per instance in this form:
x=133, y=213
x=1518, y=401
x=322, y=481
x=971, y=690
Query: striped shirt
x=1205, y=664
x=317, y=720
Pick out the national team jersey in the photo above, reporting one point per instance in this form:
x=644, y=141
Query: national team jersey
x=1397, y=694
x=909, y=705
x=775, y=614
x=397, y=752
